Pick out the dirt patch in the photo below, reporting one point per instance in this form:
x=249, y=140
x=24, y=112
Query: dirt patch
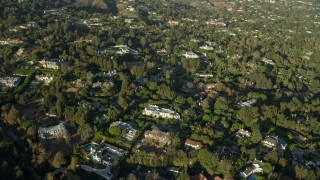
x=72, y=90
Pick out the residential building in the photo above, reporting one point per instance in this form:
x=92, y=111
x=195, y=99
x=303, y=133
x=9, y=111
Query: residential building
x=108, y=74
x=46, y=79
x=298, y=136
x=243, y=133
x=10, y=81
x=131, y=9
x=194, y=144
x=314, y=162
x=270, y=141
x=155, y=111
x=250, y=103
x=128, y=20
x=52, y=132
x=203, y=75
x=124, y=49
x=106, y=154
x=218, y=85
x=79, y=83
x=206, y=47
x=191, y=55
x=99, y=84
x=275, y=143
x=52, y=63
x=268, y=61
x=252, y=167
x=199, y=176
x=87, y=41
x=159, y=136
x=33, y=24
x=215, y=23
x=131, y=131
x=174, y=169
x=173, y=23
x=10, y=41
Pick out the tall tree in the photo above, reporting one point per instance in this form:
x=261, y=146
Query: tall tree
x=12, y=116
x=58, y=160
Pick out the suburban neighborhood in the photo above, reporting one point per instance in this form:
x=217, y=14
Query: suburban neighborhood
x=160, y=89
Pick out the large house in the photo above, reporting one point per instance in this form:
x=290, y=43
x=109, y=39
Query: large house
x=131, y=131
x=243, y=133
x=106, y=154
x=193, y=144
x=252, y=167
x=155, y=111
x=52, y=63
x=249, y=103
x=275, y=143
x=10, y=81
x=46, y=79
x=52, y=132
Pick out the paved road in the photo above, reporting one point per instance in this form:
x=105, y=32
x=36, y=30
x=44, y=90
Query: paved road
x=60, y=170
x=102, y=172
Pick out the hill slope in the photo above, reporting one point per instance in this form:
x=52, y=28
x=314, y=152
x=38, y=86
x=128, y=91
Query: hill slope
x=99, y=4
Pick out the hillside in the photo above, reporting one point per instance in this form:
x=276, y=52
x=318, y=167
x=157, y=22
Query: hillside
x=91, y=5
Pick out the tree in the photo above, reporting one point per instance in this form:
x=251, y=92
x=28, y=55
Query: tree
x=206, y=103
x=267, y=168
x=183, y=174
x=207, y=159
x=39, y=154
x=248, y=114
x=114, y=130
x=50, y=176
x=122, y=102
x=283, y=162
x=252, y=154
x=225, y=167
x=85, y=131
x=58, y=160
x=18, y=171
x=300, y=172
x=138, y=71
x=12, y=116
x=153, y=86
x=132, y=177
x=221, y=105
x=272, y=156
x=73, y=163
